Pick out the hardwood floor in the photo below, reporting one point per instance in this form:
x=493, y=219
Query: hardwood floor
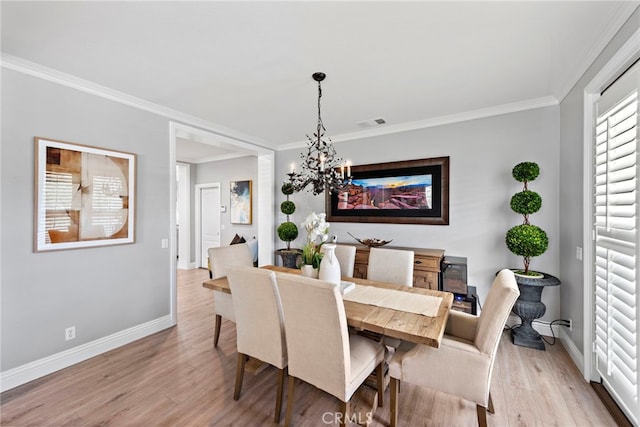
x=177, y=378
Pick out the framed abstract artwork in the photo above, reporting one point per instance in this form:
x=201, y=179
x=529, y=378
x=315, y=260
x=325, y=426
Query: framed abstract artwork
x=240, y=202
x=84, y=196
x=406, y=192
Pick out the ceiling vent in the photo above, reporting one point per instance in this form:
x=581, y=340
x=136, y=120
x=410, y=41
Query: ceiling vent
x=371, y=123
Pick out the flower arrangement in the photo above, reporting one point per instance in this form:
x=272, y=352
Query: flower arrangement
x=317, y=234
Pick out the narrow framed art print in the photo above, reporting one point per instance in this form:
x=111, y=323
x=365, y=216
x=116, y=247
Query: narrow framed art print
x=240, y=202
x=84, y=196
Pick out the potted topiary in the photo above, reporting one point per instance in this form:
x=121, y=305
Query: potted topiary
x=288, y=230
x=528, y=241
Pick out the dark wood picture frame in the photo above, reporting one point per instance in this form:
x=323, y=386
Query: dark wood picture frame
x=405, y=192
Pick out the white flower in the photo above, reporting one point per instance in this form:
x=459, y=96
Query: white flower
x=316, y=227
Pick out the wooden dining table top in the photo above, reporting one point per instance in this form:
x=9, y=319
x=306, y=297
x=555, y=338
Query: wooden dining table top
x=411, y=327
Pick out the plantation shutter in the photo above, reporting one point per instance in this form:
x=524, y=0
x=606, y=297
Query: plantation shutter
x=616, y=241
x=58, y=195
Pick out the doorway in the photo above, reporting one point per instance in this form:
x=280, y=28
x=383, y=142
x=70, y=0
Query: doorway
x=264, y=188
x=207, y=221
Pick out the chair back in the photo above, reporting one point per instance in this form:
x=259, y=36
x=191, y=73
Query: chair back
x=316, y=328
x=503, y=294
x=346, y=255
x=391, y=266
x=224, y=256
x=258, y=313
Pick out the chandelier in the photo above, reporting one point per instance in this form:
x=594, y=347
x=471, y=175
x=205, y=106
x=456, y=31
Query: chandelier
x=321, y=167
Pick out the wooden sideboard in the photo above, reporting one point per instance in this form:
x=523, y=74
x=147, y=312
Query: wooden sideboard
x=426, y=267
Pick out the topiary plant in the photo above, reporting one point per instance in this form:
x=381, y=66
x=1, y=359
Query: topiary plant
x=526, y=240
x=287, y=231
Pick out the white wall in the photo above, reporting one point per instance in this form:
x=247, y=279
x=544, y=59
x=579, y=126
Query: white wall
x=240, y=169
x=482, y=153
x=102, y=290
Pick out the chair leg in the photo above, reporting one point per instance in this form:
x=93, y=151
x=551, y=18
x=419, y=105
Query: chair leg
x=281, y=374
x=395, y=386
x=490, y=407
x=242, y=358
x=288, y=416
x=482, y=416
x=344, y=410
x=380, y=380
x=216, y=334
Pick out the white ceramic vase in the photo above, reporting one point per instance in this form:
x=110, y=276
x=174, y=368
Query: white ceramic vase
x=309, y=271
x=329, y=266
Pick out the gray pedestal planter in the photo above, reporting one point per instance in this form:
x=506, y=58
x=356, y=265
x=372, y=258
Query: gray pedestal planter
x=529, y=307
x=289, y=257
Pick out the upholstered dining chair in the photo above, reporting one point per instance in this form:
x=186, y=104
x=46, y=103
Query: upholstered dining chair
x=469, y=341
x=391, y=265
x=220, y=258
x=320, y=350
x=346, y=255
x=259, y=324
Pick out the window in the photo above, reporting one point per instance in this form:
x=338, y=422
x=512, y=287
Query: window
x=616, y=246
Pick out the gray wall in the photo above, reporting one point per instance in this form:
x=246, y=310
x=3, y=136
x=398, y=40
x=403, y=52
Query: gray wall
x=99, y=290
x=482, y=153
x=223, y=172
x=571, y=186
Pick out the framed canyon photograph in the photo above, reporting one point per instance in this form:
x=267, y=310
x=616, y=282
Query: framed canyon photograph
x=405, y=192
x=84, y=196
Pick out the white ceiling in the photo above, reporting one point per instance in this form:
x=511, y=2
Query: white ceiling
x=246, y=66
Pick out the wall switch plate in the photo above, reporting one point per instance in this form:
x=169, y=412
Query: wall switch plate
x=164, y=243
x=578, y=253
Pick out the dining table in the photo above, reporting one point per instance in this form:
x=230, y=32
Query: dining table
x=396, y=322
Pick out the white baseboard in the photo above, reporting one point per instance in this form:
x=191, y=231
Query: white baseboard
x=574, y=352
x=540, y=326
x=45, y=366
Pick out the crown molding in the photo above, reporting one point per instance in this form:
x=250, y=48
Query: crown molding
x=20, y=65
x=624, y=13
x=513, y=107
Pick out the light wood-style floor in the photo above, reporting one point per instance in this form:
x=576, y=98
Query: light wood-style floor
x=177, y=378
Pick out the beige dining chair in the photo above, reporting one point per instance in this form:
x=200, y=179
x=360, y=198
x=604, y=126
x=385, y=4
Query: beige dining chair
x=320, y=350
x=470, y=342
x=259, y=324
x=346, y=255
x=220, y=258
x=391, y=266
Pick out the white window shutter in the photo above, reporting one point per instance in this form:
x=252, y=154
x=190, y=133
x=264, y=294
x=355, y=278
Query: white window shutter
x=616, y=224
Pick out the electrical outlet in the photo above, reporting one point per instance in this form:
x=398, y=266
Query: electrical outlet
x=70, y=333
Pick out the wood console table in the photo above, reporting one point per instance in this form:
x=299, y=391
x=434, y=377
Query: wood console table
x=426, y=267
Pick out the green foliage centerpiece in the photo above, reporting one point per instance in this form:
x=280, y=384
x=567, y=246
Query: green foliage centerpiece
x=526, y=240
